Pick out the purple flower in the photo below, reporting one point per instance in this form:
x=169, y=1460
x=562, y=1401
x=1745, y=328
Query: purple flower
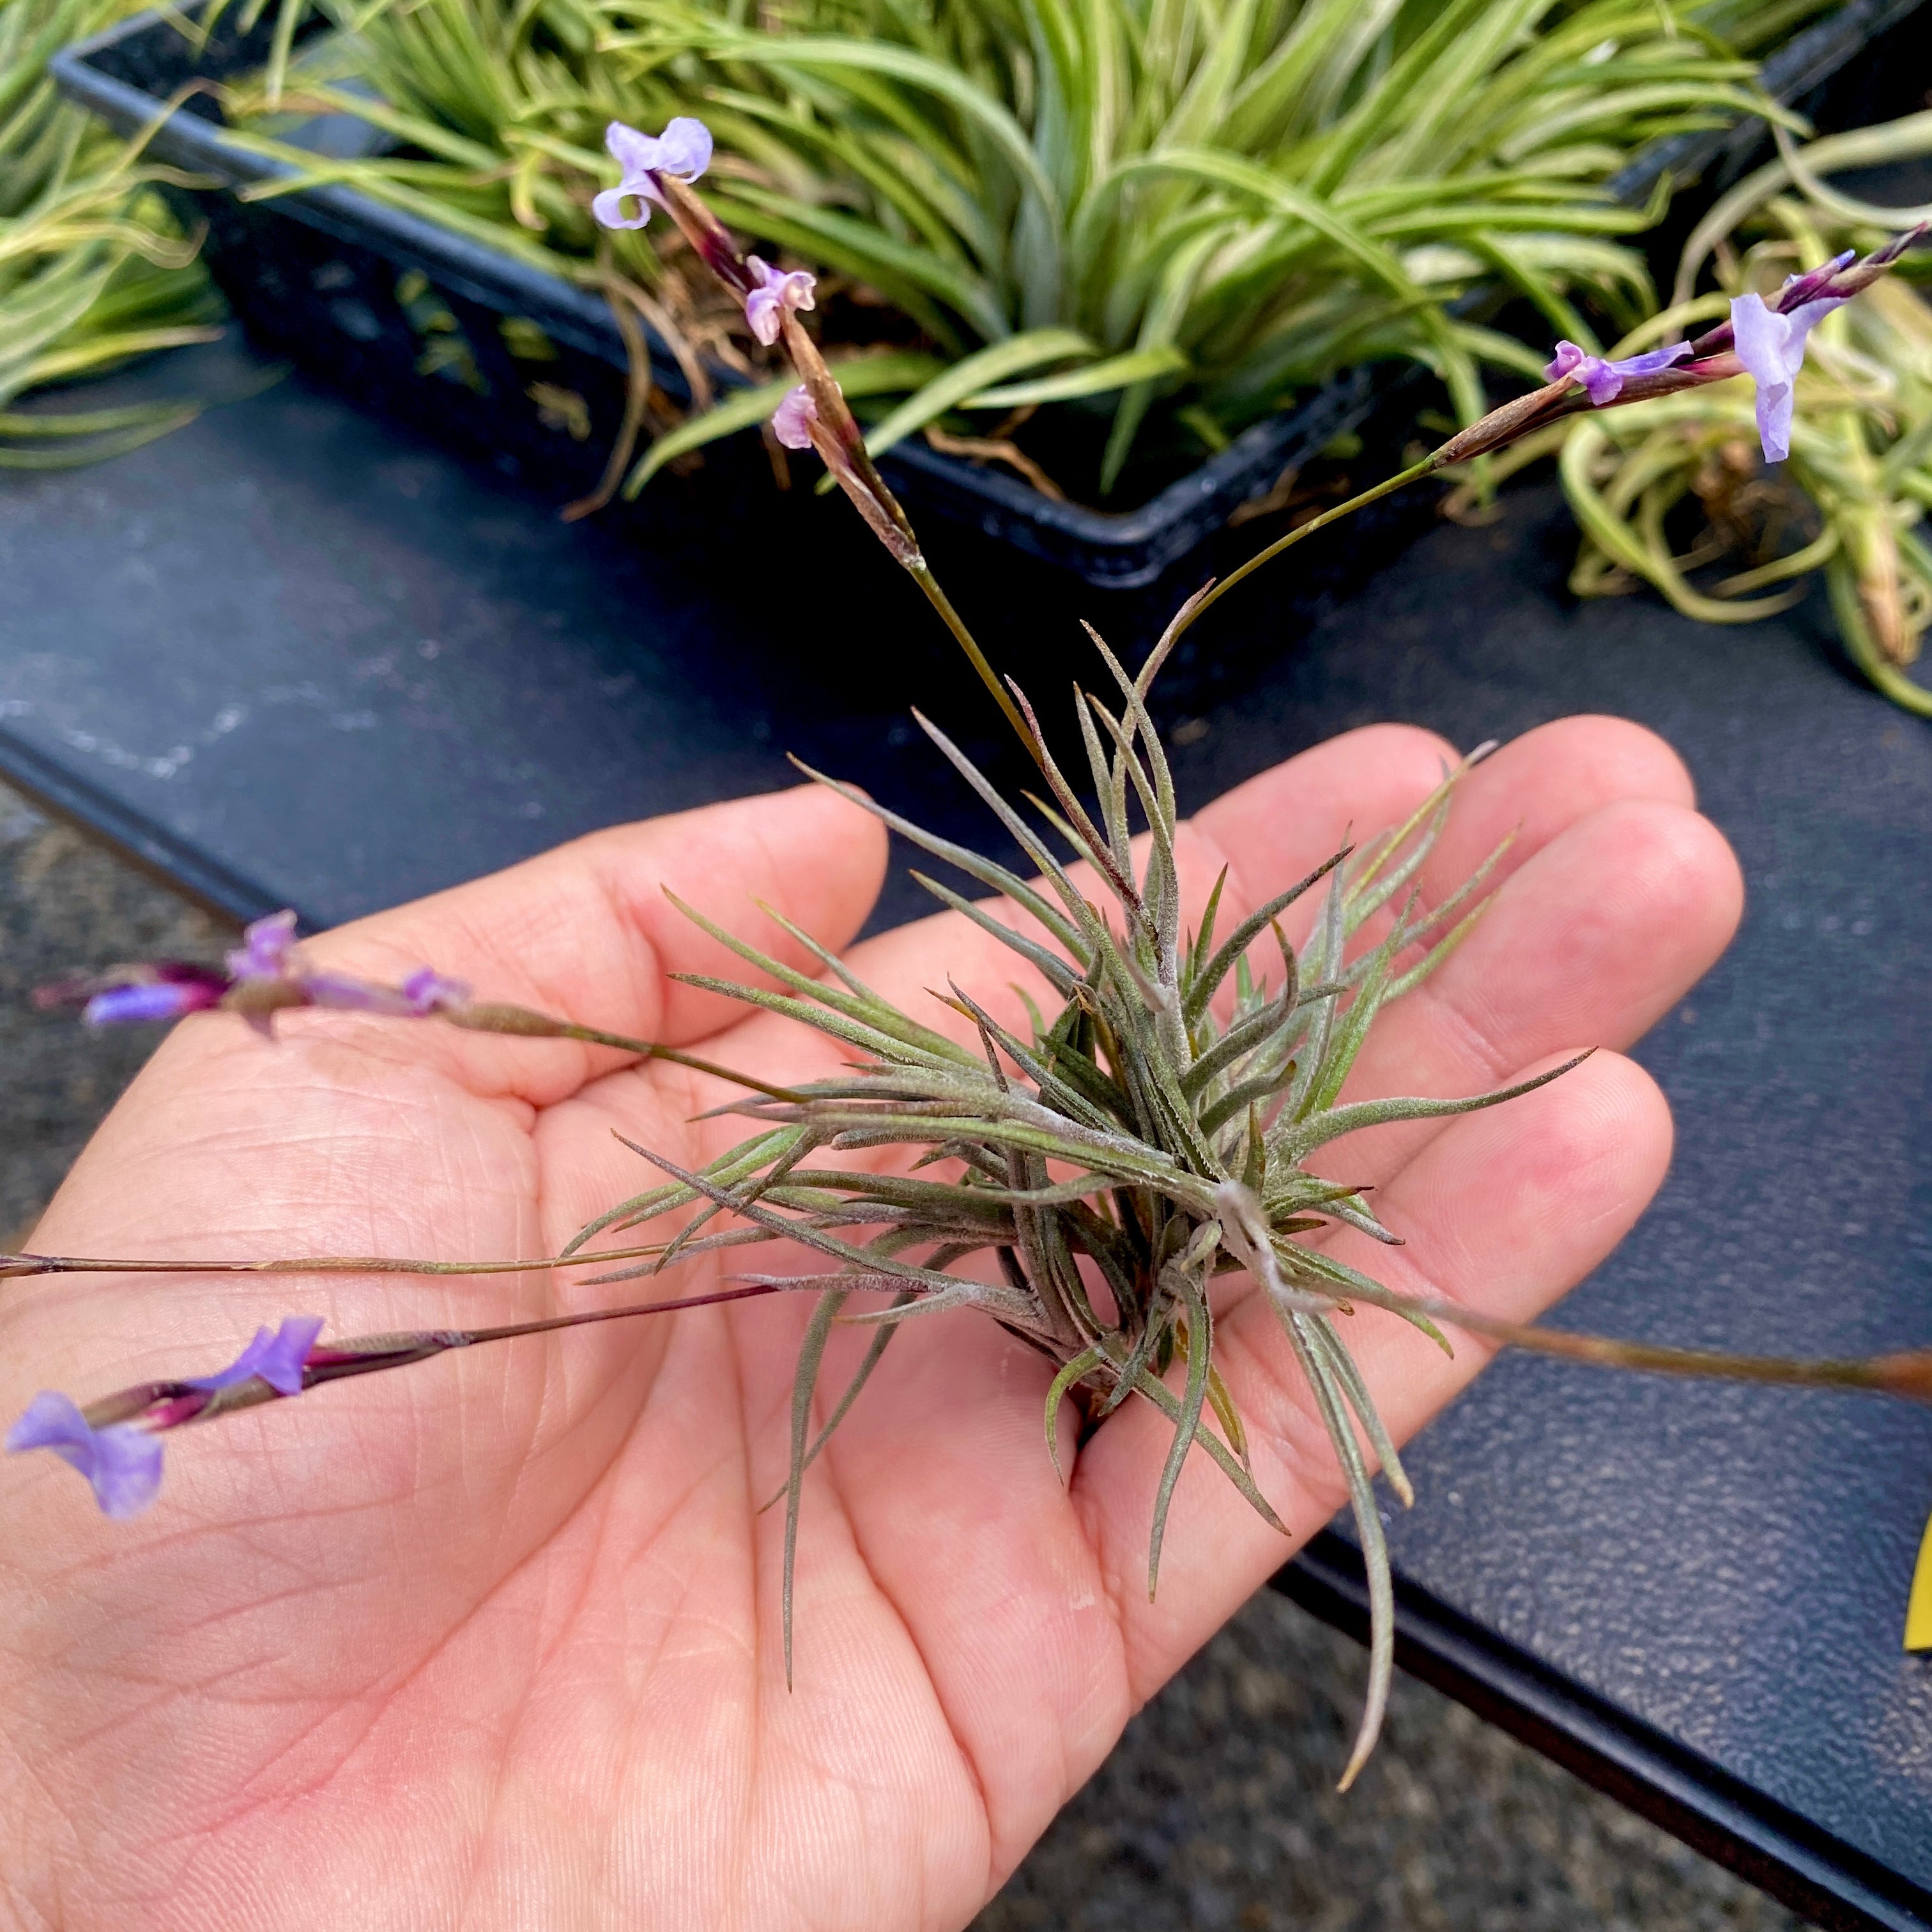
x=683, y=150
x=1604, y=380
x=765, y=306
x=268, y=949
x=1771, y=345
x=792, y=421
x=276, y=1355
x=428, y=991
x=123, y=1463
x=159, y=999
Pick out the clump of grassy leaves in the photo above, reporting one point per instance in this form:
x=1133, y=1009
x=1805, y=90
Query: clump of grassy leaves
x=93, y=270
x=1155, y=220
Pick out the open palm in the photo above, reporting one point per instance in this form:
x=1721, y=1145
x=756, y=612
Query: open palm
x=495, y=1640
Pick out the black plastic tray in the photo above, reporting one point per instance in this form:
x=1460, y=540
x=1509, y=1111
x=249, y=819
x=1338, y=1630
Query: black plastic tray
x=321, y=288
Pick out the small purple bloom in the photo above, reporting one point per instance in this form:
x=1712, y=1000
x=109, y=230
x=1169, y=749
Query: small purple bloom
x=792, y=421
x=118, y=1006
x=267, y=950
x=428, y=991
x=683, y=149
x=1604, y=380
x=276, y=1355
x=123, y=1464
x=765, y=306
x=1771, y=345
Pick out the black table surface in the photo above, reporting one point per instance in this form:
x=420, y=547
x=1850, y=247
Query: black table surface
x=293, y=655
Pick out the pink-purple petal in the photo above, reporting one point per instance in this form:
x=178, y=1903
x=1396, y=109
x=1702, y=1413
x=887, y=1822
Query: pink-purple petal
x=426, y=991
x=1603, y=380
x=338, y=993
x=766, y=305
x=608, y=208
x=1798, y=289
x=1652, y=360
x=276, y=1355
x=1567, y=360
x=1770, y=345
x=267, y=948
x=684, y=149
x=635, y=153
x=791, y=421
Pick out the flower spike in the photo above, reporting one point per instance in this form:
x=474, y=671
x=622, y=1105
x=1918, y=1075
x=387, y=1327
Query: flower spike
x=1715, y=356
x=771, y=303
x=265, y=973
x=111, y=1441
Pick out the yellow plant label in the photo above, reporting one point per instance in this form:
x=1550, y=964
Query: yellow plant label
x=1918, y=1609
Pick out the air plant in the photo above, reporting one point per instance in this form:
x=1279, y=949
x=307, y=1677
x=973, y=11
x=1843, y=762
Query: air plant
x=93, y=270
x=1156, y=222
x=1084, y=1182
x=1853, y=438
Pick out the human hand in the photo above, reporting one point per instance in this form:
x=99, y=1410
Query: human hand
x=495, y=1639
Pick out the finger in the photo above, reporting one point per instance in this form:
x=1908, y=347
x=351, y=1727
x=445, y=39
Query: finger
x=1535, y=787
x=1587, y=944
x=1530, y=792
x=1505, y=1213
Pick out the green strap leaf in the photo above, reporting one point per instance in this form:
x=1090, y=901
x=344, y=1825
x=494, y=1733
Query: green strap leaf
x=1115, y=372
x=965, y=379
x=829, y=54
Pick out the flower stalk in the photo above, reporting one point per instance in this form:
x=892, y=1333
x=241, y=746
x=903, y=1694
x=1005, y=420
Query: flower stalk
x=1773, y=350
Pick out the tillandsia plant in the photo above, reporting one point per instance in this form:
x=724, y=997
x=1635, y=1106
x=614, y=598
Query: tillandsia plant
x=1076, y=236
x=1851, y=428
x=1084, y=1181
x=94, y=269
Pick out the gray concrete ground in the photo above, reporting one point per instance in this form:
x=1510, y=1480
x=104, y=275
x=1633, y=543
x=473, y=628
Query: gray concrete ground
x=1217, y=1812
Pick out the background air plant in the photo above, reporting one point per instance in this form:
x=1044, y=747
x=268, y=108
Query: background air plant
x=1156, y=222
x=93, y=268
